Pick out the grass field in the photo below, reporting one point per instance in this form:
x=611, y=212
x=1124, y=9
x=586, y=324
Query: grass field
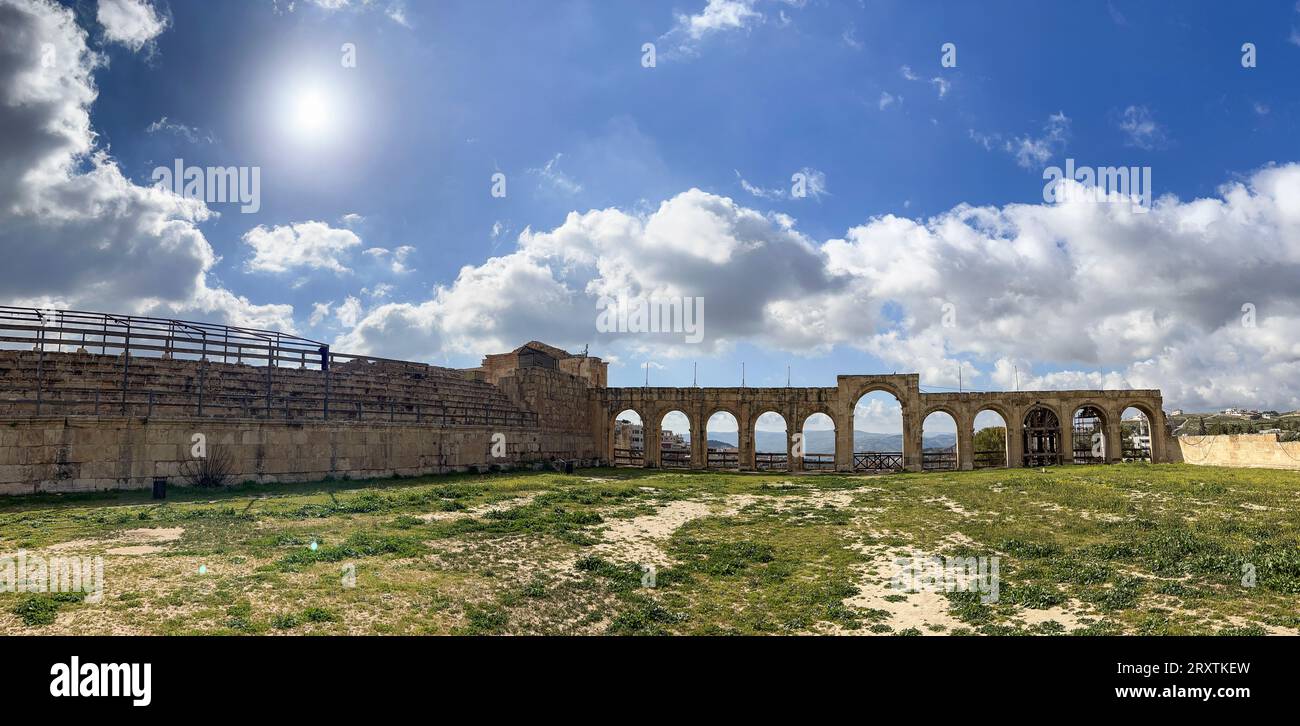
x=1118, y=549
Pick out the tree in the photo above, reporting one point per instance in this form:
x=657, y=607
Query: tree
x=993, y=438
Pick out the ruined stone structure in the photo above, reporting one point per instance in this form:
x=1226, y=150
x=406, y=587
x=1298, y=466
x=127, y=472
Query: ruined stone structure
x=795, y=405
x=92, y=401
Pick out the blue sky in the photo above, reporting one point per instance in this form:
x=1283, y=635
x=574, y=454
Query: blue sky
x=743, y=94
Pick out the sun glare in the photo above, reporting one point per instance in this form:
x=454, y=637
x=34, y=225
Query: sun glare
x=311, y=114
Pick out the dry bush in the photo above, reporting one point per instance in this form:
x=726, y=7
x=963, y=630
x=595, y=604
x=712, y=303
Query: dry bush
x=211, y=471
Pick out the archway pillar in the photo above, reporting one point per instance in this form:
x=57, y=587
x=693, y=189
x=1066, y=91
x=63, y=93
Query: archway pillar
x=744, y=438
x=912, y=425
x=1065, y=420
x=699, y=440
x=1114, y=439
x=1156, y=420
x=965, y=441
x=844, y=441
x=1015, y=438
x=650, y=430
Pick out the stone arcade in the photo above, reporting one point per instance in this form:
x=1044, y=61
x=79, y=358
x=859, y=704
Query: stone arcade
x=94, y=401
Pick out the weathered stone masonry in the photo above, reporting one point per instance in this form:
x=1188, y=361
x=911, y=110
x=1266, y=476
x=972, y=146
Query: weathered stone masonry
x=72, y=421
x=795, y=405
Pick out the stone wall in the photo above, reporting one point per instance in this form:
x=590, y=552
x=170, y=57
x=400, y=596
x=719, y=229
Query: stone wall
x=57, y=454
x=1263, y=451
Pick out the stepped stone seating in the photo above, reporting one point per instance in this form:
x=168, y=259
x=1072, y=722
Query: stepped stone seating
x=70, y=383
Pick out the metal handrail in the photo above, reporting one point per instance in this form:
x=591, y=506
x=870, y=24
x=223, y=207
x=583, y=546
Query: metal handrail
x=136, y=337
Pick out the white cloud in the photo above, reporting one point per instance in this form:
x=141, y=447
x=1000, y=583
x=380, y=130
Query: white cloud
x=73, y=227
x=192, y=134
x=718, y=15
x=1101, y=295
x=349, y=312
x=552, y=178
x=1031, y=151
x=319, y=312
x=132, y=23
x=313, y=245
x=850, y=38
x=395, y=10
x=1140, y=128
x=398, y=255
x=888, y=99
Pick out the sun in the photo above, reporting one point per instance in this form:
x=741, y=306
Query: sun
x=311, y=114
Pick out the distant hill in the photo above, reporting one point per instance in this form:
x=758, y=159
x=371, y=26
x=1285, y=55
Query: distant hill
x=823, y=442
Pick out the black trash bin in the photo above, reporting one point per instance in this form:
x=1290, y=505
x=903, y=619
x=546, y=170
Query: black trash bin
x=568, y=467
x=160, y=487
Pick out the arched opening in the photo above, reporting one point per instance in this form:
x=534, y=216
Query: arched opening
x=770, y=442
x=1135, y=435
x=1042, y=438
x=989, y=444
x=629, y=439
x=675, y=441
x=1089, y=438
x=939, y=442
x=722, y=441
x=878, y=433
x=815, y=449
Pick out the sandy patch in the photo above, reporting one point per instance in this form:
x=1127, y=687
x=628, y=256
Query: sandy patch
x=641, y=539
x=133, y=541
x=135, y=550
x=951, y=506
x=920, y=610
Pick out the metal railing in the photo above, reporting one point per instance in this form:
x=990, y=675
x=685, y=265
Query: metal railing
x=130, y=338
x=723, y=459
x=990, y=459
x=940, y=460
x=674, y=459
x=629, y=457
x=818, y=462
x=877, y=461
x=770, y=461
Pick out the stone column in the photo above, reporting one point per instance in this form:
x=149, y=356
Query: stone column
x=699, y=441
x=844, y=443
x=1065, y=419
x=1158, y=437
x=651, y=431
x=965, y=441
x=789, y=444
x=1114, y=439
x=744, y=439
x=1016, y=438
x=911, y=440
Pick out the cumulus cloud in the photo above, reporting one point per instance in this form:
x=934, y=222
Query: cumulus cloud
x=132, y=23
x=75, y=230
x=311, y=245
x=1096, y=295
